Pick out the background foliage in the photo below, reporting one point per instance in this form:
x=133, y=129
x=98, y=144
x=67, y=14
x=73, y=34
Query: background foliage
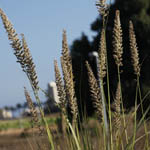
x=139, y=12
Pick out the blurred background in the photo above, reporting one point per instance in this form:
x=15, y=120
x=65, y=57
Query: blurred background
x=42, y=23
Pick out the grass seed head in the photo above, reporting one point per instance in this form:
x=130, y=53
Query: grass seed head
x=21, y=51
x=65, y=50
x=60, y=87
x=13, y=37
x=102, y=7
x=95, y=92
x=34, y=113
x=70, y=92
x=29, y=64
x=102, y=55
x=117, y=40
x=134, y=49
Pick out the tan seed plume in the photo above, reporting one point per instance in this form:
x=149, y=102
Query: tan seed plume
x=62, y=97
x=69, y=87
x=117, y=101
x=102, y=7
x=95, y=92
x=34, y=113
x=21, y=51
x=117, y=40
x=65, y=52
x=66, y=63
x=66, y=58
x=13, y=37
x=102, y=55
x=29, y=64
x=60, y=88
x=134, y=49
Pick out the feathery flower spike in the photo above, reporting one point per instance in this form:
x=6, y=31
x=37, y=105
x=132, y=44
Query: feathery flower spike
x=102, y=55
x=70, y=92
x=60, y=87
x=117, y=40
x=134, y=49
x=95, y=92
x=102, y=7
x=21, y=51
x=34, y=113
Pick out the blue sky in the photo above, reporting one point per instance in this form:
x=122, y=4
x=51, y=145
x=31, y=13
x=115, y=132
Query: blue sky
x=42, y=22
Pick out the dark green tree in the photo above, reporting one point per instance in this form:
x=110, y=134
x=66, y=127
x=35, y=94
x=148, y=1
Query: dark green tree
x=139, y=12
x=80, y=50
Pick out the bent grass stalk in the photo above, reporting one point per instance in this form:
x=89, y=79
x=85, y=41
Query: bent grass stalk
x=22, y=53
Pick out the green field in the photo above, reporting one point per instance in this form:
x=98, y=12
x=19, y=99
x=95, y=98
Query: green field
x=24, y=123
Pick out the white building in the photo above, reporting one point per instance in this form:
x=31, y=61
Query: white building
x=53, y=93
x=5, y=114
x=53, y=98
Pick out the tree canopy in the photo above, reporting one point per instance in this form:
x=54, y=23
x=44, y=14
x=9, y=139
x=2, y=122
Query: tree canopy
x=139, y=12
